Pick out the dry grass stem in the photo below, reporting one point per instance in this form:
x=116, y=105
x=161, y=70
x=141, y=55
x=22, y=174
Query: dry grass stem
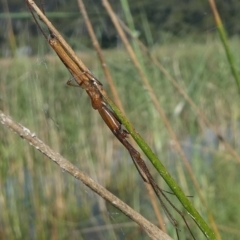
x=117, y=99
x=177, y=145
x=152, y=231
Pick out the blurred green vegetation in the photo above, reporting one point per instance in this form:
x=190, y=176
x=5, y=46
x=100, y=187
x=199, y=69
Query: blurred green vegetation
x=39, y=201
x=175, y=18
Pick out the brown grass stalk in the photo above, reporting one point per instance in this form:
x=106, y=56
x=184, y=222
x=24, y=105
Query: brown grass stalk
x=97, y=48
x=10, y=33
x=152, y=231
x=198, y=111
x=159, y=108
x=117, y=99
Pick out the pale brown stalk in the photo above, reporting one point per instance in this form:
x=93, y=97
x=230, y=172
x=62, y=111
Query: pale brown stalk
x=97, y=47
x=158, y=107
x=198, y=111
x=99, y=101
x=10, y=33
x=110, y=81
x=152, y=231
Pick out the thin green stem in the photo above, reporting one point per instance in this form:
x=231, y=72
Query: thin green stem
x=223, y=37
x=164, y=173
x=140, y=141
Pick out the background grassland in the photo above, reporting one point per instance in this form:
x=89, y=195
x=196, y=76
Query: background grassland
x=39, y=201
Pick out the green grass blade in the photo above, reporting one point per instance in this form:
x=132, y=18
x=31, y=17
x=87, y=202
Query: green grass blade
x=165, y=175
x=223, y=37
